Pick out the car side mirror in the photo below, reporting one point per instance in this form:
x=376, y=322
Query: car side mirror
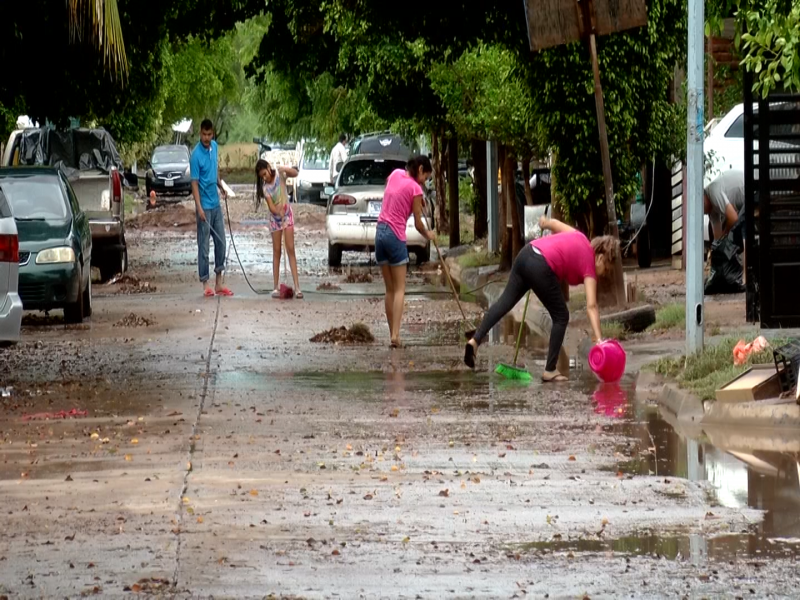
x=256, y=140
x=329, y=190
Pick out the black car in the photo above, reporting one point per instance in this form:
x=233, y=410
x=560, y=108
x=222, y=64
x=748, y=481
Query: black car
x=168, y=172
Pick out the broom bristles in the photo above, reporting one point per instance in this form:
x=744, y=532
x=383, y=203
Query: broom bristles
x=510, y=372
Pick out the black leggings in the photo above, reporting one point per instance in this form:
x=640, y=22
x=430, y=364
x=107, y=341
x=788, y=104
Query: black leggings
x=531, y=272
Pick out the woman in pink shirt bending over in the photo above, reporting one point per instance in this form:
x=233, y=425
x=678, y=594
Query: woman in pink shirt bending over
x=541, y=266
x=402, y=197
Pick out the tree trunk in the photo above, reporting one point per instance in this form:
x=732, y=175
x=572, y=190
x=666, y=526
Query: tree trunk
x=507, y=175
x=526, y=176
x=438, y=179
x=481, y=229
x=452, y=185
x=516, y=225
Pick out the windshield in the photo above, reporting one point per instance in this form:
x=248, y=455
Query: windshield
x=368, y=172
x=315, y=162
x=171, y=157
x=37, y=197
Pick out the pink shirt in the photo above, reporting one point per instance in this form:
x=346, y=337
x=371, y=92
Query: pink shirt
x=398, y=201
x=569, y=254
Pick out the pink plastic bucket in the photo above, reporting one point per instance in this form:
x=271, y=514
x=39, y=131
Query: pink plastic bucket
x=607, y=360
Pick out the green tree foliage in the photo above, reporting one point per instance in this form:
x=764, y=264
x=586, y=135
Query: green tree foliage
x=772, y=46
x=768, y=34
x=636, y=69
x=52, y=77
x=487, y=96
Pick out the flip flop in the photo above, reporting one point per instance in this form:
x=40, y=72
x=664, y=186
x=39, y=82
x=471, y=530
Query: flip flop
x=299, y=295
x=469, y=356
x=556, y=379
x=276, y=294
x=224, y=292
x=208, y=293
x=396, y=345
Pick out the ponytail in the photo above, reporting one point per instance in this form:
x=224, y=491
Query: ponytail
x=414, y=163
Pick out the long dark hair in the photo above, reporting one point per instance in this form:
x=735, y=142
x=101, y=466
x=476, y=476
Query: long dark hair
x=261, y=164
x=415, y=162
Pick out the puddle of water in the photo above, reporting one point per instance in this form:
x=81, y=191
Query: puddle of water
x=695, y=548
x=758, y=479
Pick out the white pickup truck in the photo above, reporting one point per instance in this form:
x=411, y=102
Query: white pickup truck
x=93, y=166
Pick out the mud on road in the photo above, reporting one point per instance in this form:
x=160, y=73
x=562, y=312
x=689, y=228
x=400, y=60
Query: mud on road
x=224, y=454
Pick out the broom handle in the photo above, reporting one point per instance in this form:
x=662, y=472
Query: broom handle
x=283, y=236
x=521, y=326
x=452, y=286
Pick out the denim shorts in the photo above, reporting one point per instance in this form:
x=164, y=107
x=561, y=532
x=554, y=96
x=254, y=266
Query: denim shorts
x=389, y=250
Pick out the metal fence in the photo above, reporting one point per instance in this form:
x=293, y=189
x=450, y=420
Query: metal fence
x=772, y=207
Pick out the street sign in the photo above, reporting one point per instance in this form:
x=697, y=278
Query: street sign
x=556, y=22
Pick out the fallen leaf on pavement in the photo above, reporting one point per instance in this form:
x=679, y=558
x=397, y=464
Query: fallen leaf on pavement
x=254, y=492
x=368, y=497
x=395, y=412
x=128, y=457
x=571, y=458
x=335, y=553
x=134, y=441
x=199, y=519
x=445, y=493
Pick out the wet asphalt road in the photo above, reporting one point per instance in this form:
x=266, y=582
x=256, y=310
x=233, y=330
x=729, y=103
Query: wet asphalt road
x=225, y=455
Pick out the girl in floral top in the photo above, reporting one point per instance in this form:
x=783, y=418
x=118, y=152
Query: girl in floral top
x=271, y=187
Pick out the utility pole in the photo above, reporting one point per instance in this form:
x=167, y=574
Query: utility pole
x=693, y=235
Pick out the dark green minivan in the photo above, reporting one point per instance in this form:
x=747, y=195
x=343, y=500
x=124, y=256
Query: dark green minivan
x=55, y=242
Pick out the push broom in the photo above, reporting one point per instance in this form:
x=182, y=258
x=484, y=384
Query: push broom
x=513, y=371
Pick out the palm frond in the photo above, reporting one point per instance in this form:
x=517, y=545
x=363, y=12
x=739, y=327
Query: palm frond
x=98, y=22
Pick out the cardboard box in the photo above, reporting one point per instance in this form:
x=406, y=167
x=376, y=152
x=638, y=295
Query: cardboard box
x=759, y=382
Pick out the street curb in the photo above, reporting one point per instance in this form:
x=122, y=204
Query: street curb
x=684, y=405
x=764, y=413
x=688, y=408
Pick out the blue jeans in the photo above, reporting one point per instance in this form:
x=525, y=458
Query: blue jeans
x=215, y=222
x=389, y=250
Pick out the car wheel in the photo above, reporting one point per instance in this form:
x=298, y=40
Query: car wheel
x=334, y=255
x=423, y=254
x=87, y=298
x=73, y=312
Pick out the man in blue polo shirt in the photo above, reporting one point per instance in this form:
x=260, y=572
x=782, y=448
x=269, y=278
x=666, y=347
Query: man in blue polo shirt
x=206, y=188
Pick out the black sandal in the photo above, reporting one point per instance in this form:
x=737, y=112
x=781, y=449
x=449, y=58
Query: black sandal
x=469, y=356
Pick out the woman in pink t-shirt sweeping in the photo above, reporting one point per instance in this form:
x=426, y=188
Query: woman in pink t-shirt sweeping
x=541, y=266
x=402, y=197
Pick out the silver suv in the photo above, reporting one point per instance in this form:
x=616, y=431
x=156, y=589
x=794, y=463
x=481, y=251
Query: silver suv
x=10, y=303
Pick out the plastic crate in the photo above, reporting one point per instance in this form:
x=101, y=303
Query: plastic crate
x=787, y=362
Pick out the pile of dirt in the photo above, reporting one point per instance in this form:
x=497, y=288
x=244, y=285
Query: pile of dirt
x=131, y=284
x=45, y=320
x=309, y=216
x=327, y=286
x=357, y=334
x=134, y=320
x=358, y=278
x=170, y=216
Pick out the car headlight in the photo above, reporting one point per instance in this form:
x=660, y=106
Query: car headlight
x=306, y=185
x=188, y=172
x=55, y=255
